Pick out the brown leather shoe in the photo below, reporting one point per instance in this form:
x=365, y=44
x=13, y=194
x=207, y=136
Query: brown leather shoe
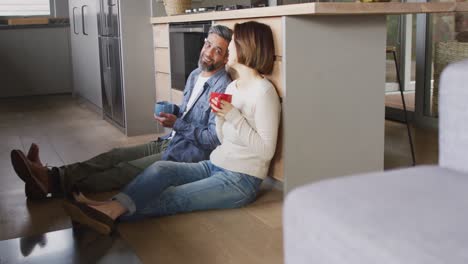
x=18, y=160
x=88, y=216
x=33, y=192
x=33, y=154
x=34, y=175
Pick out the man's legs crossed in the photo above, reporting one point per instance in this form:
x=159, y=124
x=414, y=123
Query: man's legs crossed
x=111, y=170
x=95, y=174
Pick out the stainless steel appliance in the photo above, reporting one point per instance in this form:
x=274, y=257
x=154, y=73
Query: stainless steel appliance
x=186, y=42
x=109, y=47
x=117, y=59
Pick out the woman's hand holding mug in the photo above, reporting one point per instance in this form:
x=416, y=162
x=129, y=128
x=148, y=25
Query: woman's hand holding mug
x=220, y=103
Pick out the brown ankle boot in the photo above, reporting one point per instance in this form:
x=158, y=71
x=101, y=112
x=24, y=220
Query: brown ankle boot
x=34, y=175
x=40, y=175
x=33, y=192
x=33, y=154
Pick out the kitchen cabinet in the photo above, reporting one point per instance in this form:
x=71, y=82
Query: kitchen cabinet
x=161, y=62
x=85, y=50
x=164, y=92
x=113, y=61
x=330, y=71
x=35, y=61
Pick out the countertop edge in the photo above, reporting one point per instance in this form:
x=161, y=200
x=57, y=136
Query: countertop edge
x=33, y=26
x=319, y=9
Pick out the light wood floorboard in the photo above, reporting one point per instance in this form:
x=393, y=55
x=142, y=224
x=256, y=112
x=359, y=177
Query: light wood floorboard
x=68, y=131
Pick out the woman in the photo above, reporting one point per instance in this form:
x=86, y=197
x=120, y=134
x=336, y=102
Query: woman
x=247, y=129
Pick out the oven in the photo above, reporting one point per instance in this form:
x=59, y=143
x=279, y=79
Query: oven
x=186, y=41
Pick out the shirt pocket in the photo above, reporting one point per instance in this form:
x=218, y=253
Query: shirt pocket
x=201, y=111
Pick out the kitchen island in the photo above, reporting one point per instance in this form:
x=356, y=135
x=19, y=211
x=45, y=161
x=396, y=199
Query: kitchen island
x=330, y=71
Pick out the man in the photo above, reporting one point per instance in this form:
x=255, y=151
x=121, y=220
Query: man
x=192, y=139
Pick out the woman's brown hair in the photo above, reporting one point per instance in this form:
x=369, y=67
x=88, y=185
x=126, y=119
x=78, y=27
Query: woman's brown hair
x=254, y=46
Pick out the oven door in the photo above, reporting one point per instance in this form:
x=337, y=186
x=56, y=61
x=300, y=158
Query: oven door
x=186, y=42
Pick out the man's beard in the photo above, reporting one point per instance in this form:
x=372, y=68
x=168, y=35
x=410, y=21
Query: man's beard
x=208, y=67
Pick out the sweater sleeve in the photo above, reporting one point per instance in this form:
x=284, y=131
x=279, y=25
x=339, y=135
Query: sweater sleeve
x=262, y=140
x=219, y=128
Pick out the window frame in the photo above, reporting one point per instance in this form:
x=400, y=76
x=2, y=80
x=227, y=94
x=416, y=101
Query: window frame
x=50, y=14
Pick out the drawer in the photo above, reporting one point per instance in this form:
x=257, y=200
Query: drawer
x=177, y=96
x=161, y=60
x=161, y=36
x=163, y=87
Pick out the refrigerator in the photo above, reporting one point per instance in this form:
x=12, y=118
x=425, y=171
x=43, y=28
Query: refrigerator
x=119, y=61
x=110, y=59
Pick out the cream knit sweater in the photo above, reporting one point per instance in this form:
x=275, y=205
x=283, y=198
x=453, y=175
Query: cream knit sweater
x=249, y=131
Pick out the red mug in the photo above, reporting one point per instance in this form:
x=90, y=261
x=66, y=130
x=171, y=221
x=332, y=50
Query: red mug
x=220, y=96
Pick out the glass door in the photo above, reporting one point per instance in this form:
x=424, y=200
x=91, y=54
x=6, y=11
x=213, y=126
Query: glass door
x=441, y=39
x=400, y=54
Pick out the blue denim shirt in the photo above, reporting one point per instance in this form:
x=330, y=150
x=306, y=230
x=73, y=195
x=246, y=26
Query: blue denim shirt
x=195, y=136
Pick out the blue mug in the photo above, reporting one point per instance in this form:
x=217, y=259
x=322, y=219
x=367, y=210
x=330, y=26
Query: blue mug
x=164, y=107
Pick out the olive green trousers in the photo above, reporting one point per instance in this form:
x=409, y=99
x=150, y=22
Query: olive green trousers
x=111, y=170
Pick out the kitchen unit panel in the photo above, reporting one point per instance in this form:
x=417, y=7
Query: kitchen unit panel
x=161, y=36
x=112, y=94
x=113, y=66
x=137, y=62
x=161, y=60
x=177, y=96
x=162, y=64
x=85, y=50
x=163, y=87
x=321, y=41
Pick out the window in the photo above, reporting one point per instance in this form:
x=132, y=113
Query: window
x=24, y=7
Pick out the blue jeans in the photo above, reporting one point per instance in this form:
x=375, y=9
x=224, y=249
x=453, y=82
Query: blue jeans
x=167, y=188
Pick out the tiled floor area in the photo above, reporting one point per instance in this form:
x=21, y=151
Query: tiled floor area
x=67, y=131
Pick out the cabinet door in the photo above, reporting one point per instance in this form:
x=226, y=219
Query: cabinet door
x=162, y=62
x=112, y=91
x=89, y=53
x=85, y=50
x=75, y=34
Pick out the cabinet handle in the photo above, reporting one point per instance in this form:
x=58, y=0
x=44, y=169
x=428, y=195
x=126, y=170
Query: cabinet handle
x=83, y=20
x=74, y=21
x=108, y=49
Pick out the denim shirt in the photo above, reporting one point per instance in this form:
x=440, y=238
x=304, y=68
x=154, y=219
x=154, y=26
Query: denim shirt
x=195, y=136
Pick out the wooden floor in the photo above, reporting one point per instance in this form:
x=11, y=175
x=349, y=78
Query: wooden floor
x=393, y=100
x=68, y=131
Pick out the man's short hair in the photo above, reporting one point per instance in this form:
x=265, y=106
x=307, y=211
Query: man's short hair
x=255, y=46
x=222, y=31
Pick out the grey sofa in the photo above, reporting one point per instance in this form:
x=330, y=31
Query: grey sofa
x=417, y=215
